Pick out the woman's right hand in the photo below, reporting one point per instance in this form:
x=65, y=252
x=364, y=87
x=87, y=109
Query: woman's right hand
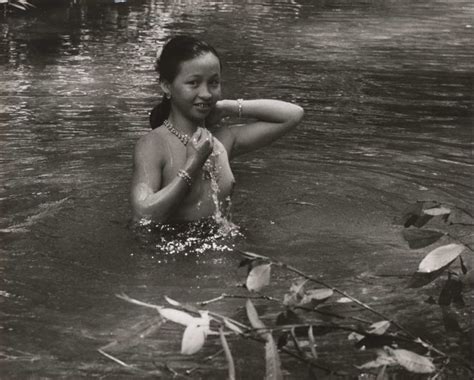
x=199, y=147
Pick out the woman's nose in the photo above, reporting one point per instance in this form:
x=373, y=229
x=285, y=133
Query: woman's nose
x=204, y=92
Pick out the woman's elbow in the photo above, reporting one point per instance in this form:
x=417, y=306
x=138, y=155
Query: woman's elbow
x=295, y=116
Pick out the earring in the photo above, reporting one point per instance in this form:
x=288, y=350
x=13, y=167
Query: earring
x=167, y=96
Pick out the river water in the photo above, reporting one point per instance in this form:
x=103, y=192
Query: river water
x=387, y=90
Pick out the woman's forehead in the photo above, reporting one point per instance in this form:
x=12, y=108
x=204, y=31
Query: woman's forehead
x=204, y=64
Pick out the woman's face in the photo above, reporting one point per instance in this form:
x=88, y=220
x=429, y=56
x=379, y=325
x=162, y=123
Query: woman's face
x=197, y=87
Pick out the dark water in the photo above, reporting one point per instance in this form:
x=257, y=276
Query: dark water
x=387, y=88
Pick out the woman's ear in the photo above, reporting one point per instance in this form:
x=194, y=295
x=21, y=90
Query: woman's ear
x=165, y=87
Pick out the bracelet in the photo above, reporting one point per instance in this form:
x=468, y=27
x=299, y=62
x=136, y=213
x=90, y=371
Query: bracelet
x=185, y=176
x=241, y=106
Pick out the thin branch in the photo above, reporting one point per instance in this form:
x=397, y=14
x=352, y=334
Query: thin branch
x=355, y=300
x=118, y=361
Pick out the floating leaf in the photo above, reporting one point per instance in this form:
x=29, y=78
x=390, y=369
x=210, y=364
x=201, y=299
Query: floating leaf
x=252, y=315
x=290, y=299
x=411, y=361
x=253, y=255
x=228, y=355
x=440, y=258
x=316, y=296
x=297, y=287
x=272, y=360
x=344, y=300
x=193, y=339
x=451, y=292
x=245, y=262
x=421, y=279
x=421, y=238
x=258, y=277
x=437, y=211
x=379, y=328
x=312, y=342
x=172, y=302
x=177, y=316
x=353, y=336
x=383, y=359
x=450, y=320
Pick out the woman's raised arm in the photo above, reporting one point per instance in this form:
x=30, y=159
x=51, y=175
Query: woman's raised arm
x=274, y=118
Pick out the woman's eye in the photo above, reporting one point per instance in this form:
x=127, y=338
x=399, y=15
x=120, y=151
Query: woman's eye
x=193, y=83
x=215, y=82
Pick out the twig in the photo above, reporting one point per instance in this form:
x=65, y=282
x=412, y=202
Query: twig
x=225, y=295
x=355, y=300
x=118, y=361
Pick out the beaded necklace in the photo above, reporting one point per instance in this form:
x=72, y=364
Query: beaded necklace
x=184, y=138
x=209, y=166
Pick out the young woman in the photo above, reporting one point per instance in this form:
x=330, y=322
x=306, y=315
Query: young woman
x=181, y=169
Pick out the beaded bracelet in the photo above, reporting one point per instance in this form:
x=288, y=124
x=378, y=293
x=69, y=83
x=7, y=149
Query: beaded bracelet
x=185, y=176
x=240, y=106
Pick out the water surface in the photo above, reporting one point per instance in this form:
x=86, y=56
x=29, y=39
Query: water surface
x=387, y=90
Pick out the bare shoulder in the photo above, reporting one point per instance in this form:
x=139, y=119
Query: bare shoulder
x=149, y=147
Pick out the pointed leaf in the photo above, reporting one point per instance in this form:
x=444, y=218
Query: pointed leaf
x=272, y=360
x=452, y=290
x=412, y=361
x=440, y=258
x=298, y=286
x=204, y=321
x=437, y=211
x=421, y=279
x=421, y=238
x=253, y=255
x=18, y=6
x=344, y=300
x=290, y=299
x=312, y=343
x=252, y=315
x=193, y=339
x=316, y=296
x=383, y=359
x=258, y=277
x=353, y=336
x=177, y=316
x=379, y=328
x=172, y=302
x=228, y=356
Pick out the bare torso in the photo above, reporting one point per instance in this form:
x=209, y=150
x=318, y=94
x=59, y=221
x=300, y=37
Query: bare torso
x=199, y=202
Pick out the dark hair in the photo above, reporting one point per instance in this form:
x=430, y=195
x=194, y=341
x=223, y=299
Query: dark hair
x=176, y=51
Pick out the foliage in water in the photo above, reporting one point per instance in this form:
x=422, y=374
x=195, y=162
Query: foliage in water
x=304, y=316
